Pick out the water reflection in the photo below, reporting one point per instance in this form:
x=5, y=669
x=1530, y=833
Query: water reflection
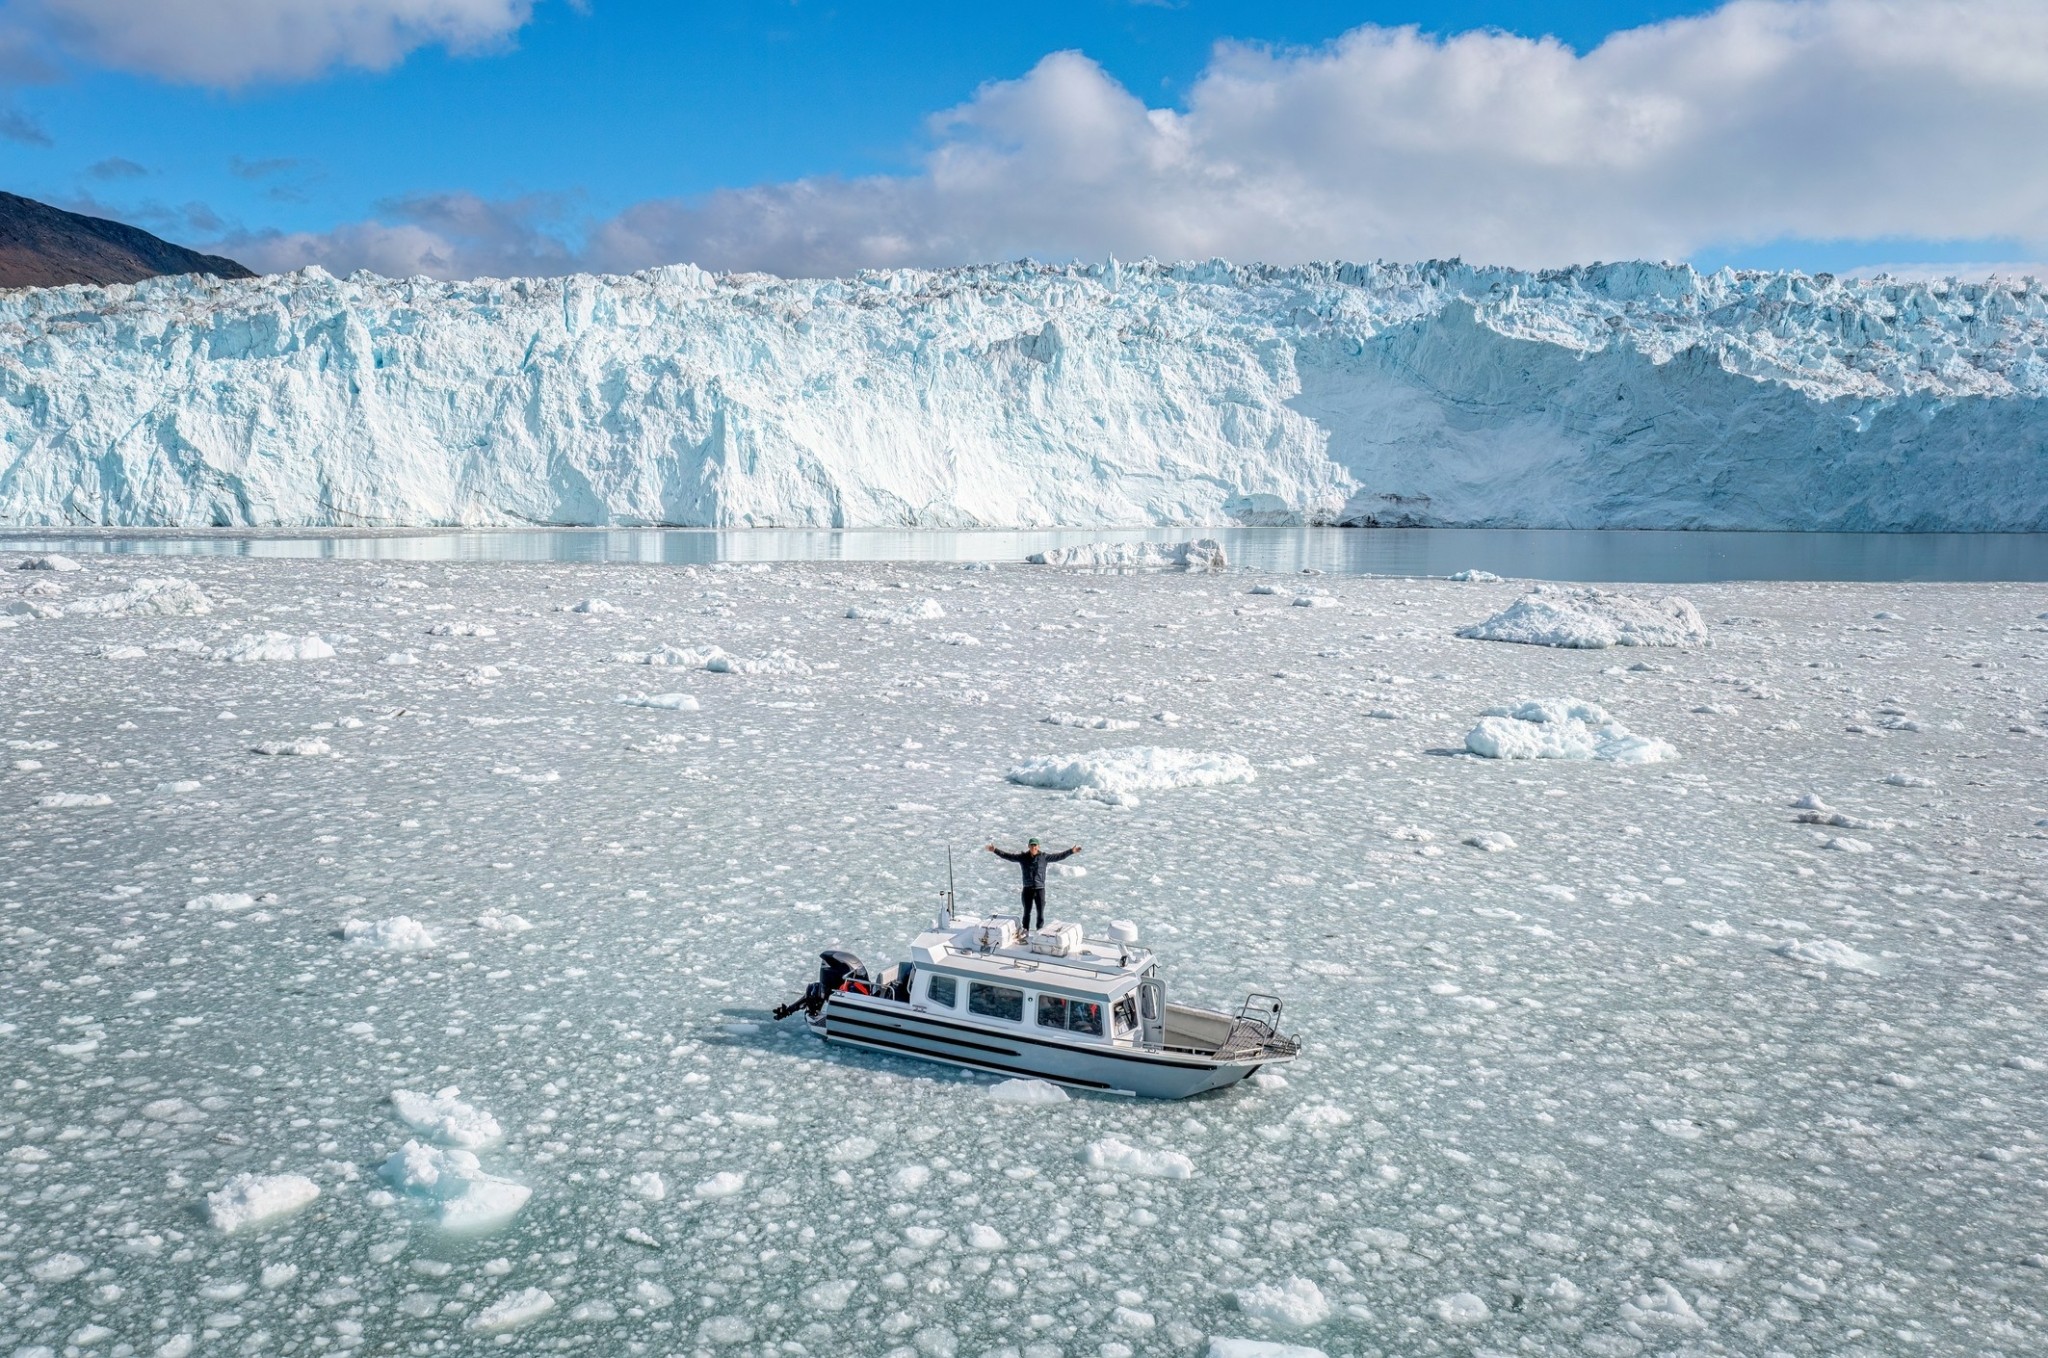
x=1547, y=554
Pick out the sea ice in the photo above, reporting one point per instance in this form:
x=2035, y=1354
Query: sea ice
x=303, y=746
x=251, y=1200
x=444, y=1117
x=512, y=1311
x=1223, y=1347
x=69, y=801
x=1027, y=1093
x=1592, y=619
x=51, y=562
x=1115, y=776
x=466, y=1200
x=1562, y=728
x=667, y=702
x=400, y=933
x=1198, y=554
x=1114, y=1153
x=1475, y=577
x=145, y=598
x=1295, y=1304
x=268, y=646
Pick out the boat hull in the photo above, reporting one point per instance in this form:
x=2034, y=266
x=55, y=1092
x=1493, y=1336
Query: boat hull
x=904, y=1030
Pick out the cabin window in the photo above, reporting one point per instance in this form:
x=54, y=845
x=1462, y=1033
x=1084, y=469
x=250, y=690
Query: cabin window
x=1075, y=1016
x=995, y=1001
x=1126, y=1016
x=942, y=991
x=1148, y=1000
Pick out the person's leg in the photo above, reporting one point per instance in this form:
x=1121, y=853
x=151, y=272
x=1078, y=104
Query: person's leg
x=1036, y=905
x=1024, y=910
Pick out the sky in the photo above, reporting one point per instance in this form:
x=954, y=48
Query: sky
x=459, y=138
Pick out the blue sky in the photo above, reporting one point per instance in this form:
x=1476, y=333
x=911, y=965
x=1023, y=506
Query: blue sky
x=530, y=140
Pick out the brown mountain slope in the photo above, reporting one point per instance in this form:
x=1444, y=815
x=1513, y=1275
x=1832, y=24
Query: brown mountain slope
x=45, y=247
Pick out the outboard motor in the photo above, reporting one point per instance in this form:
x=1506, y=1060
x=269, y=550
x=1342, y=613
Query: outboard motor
x=837, y=969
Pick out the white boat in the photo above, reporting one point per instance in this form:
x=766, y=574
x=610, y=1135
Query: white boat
x=1088, y=1013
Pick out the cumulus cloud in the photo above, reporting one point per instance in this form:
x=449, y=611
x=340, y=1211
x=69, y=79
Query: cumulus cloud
x=1762, y=120
x=449, y=235
x=230, y=43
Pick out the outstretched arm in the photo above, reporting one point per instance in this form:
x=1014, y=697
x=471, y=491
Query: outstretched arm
x=1013, y=857
x=1064, y=853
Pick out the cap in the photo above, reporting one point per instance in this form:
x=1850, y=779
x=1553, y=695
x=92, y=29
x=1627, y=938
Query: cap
x=1032, y=842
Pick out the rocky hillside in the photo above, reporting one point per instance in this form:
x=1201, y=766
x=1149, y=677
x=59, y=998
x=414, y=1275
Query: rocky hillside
x=46, y=247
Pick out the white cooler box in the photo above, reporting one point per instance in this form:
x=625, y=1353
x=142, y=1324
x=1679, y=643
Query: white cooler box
x=1057, y=939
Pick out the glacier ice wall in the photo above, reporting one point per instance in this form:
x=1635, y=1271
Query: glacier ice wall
x=1625, y=395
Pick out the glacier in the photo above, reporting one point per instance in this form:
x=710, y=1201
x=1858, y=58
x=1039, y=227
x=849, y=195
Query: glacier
x=1030, y=395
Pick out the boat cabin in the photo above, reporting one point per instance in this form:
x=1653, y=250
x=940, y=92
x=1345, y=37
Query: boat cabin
x=1051, y=982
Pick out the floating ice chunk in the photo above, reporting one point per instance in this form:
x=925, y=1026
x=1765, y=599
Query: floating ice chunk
x=1718, y=928
x=305, y=746
x=1293, y=1305
x=924, y=610
x=1810, y=801
x=716, y=660
x=73, y=801
x=444, y=1117
x=222, y=902
x=849, y=1149
x=1198, y=554
x=275, y=1276
x=402, y=658
x=51, y=562
x=1221, y=1347
x=122, y=653
x=1317, y=601
x=1263, y=589
x=831, y=1295
x=512, y=1311
x=1592, y=619
x=1113, y=1153
x=1114, y=776
x=462, y=629
x=1562, y=728
x=1492, y=841
x=58, y=1268
x=1663, y=1309
x=648, y=1184
x=249, y=1200
x=1476, y=577
x=180, y=785
x=1027, y=1093
x=400, y=933
x=1907, y=780
x=502, y=921
x=667, y=702
x=1460, y=1308
x=1828, y=952
x=590, y=607
x=1090, y=723
x=275, y=646
x=1847, y=844
x=985, y=1238
x=723, y=1184
x=173, y=598
x=28, y=765
x=464, y=1197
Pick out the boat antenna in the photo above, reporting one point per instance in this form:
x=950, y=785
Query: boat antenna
x=949, y=883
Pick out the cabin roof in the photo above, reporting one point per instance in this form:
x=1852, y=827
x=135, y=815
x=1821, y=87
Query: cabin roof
x=1099, y=969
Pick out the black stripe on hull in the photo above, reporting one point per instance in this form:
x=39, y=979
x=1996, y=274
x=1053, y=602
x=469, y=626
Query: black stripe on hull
x=1102, y=1053
x=973, y=1063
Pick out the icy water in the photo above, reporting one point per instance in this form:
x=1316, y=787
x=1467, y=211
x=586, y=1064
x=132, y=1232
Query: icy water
x=1542, y=554
x=1650, y=1065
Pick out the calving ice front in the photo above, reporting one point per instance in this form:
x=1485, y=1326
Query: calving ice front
x=1621, y=396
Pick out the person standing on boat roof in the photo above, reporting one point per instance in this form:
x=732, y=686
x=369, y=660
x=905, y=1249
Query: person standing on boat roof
x=1033, y=861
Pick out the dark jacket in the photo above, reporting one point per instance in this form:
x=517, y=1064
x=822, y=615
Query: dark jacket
x=1034, y=863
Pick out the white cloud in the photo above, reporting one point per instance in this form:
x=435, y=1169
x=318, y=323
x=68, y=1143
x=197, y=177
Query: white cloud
x=230, y=43
x=1763, y=120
